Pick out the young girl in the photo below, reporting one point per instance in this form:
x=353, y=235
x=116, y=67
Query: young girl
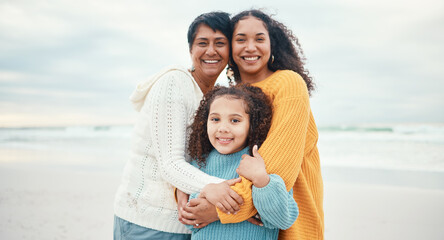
x=231, y=123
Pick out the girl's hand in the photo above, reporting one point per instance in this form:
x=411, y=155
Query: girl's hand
x=253, y=169
x=182, y=200
x=222, y=196
x=199, y=212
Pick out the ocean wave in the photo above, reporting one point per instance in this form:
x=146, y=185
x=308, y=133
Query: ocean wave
x=400, y=129
x=395, y=147
x=343, y=128
x=25, y=134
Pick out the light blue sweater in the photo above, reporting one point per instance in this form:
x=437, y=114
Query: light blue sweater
x=275, y=205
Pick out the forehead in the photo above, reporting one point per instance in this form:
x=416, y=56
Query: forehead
x=205, y=31
x=250, y=24
x=228, y=104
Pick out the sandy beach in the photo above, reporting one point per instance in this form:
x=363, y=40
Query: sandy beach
x=39, y=203
x=42, y=204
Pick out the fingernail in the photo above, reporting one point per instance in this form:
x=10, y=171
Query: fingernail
x=261, y=225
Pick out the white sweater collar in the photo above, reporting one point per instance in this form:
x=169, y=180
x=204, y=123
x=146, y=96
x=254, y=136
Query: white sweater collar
x=137, y=98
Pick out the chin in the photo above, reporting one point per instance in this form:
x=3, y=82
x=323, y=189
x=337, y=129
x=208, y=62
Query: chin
x=225, y=151
x=250, y=70
x=212, y=73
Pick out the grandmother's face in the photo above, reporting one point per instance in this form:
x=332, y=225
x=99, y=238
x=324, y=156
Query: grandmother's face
x=209, y=52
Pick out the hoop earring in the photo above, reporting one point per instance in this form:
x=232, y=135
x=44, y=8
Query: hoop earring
x=192, y=69
x=272, y=59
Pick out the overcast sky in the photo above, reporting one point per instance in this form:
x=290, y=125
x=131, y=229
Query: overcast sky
x=66, y=62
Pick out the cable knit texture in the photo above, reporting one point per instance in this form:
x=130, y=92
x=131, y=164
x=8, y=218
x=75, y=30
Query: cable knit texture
x=290, y=151
x=275, y=205
x=166, y=104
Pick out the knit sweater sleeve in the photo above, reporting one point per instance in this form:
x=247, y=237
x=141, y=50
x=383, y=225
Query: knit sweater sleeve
x=275, y=205
x=170, y=106
x=283, y=150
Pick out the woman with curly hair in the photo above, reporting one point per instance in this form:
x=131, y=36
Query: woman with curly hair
x=266, y=54
x=229, y=124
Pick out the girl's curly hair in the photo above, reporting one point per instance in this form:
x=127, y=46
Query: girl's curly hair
x=257, y=106
x=285, y=47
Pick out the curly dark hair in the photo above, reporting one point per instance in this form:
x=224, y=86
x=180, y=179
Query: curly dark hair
x=258, y=107
x=285, y=47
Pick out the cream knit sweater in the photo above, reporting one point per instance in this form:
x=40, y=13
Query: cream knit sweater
x=166, y=104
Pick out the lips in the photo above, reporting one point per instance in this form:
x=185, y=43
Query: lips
x=251, y=58
x=224, y=140
x=211, y=61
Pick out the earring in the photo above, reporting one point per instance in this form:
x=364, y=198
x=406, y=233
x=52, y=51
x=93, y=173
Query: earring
x=272, y=59
x=230, y=74
x=192, y=68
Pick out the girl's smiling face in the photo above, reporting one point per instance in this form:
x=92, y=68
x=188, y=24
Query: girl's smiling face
x=228, y=124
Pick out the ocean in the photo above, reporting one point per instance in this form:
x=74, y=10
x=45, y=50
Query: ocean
x=409, y=154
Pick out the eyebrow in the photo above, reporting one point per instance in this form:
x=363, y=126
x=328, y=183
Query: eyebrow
x=243, y=34
x=204, y=38
x=231, y=115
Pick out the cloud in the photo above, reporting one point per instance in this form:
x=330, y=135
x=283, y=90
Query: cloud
x=83, y=58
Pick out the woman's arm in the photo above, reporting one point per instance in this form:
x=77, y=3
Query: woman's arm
x=283, y=150
x=276, y=206
x=201, y=211
x=168, y=107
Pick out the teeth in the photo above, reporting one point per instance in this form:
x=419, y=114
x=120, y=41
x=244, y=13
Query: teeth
x=224, y=139
x=211, y=61
x=251, y=58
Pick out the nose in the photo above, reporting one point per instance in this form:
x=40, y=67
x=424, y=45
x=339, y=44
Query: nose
x=211, y=51
x=251, y=46
x=223, y=128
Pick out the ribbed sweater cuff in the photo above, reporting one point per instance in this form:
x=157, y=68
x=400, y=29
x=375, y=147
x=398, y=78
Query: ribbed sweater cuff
x=275, y=204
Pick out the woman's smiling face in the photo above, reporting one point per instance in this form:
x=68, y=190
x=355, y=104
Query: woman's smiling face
x=251, y=49
x=209, y=52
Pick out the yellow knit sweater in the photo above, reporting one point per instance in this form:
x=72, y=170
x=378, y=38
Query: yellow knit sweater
x=290, y=151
